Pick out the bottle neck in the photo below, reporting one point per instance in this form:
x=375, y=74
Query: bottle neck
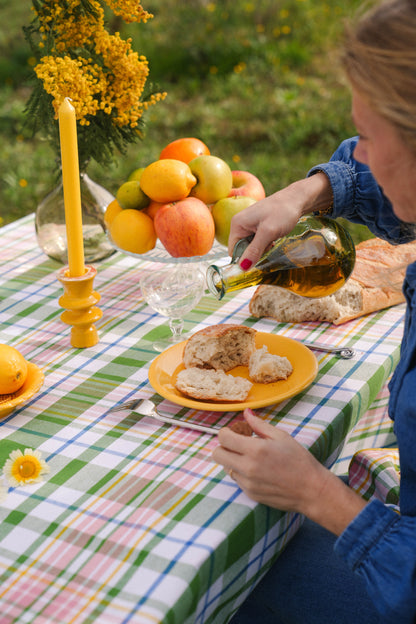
x=221, y=280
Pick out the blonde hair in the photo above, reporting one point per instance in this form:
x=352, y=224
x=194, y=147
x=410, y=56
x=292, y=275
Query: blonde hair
x=380, y=62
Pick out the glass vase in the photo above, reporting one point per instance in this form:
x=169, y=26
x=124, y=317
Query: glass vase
x=50, y=222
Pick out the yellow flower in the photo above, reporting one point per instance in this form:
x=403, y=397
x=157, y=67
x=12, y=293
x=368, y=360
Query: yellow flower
x=129, y=10
x=28, y=467
x=78, y=58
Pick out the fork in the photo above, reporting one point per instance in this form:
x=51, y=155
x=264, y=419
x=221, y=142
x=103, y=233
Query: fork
x=147, y=408
x=343, y=352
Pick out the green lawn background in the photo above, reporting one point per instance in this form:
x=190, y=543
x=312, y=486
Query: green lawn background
x=259, y=82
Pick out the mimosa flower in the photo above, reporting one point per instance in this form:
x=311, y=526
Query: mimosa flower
x=22, y=468
x=75, y=56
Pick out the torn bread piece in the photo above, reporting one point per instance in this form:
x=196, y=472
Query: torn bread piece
x=264, y=367
x=212, y=385
x=221, y=347
x=242, y=427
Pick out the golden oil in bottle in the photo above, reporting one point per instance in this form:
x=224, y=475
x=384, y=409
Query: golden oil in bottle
x=314, y=260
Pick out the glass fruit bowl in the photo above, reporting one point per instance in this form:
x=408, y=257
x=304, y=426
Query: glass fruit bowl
x=159, y=254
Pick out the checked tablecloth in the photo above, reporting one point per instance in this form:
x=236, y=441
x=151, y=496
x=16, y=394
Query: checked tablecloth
x=135, y=522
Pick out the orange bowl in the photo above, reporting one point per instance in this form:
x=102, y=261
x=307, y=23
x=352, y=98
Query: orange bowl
x=34, y=381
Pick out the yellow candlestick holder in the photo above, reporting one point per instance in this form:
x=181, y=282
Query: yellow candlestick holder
x=79, y=301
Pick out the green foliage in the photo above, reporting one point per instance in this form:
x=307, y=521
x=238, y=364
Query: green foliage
x=258, y=81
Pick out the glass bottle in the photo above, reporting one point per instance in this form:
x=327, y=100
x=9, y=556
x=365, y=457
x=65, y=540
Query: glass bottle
x=315, y=259
x=50, y=222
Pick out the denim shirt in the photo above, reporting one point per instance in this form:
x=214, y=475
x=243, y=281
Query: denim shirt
x=380, y=544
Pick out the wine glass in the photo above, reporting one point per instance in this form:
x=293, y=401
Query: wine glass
x=173, y=292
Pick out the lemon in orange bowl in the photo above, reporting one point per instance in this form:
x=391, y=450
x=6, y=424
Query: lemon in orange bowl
x=32, y=384
x=13, y=369
x=167, y=180
x=133, y=230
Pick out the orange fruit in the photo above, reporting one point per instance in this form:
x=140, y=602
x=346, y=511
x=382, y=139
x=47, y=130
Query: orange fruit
x=133, y=230
x=185, y=149
x=13, y=369
x=152, y=208
x=111, y=211
x=167, y=180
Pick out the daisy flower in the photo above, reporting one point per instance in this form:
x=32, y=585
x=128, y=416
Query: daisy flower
x=28, y=467
x=3, y=493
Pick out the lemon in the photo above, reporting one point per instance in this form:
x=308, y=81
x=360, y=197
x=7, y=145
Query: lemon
x=133, y=230
x=13, y=369
x=111, y=211
x=131, y=195
x=167, y=180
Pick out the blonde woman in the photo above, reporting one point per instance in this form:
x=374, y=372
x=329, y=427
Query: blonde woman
x=352, y=561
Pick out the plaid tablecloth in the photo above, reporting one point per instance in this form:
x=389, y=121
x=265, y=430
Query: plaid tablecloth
x=135, y=522
x=375, y=473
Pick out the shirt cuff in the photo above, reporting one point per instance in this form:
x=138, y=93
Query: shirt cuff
x=367, y=528
x=342, y=181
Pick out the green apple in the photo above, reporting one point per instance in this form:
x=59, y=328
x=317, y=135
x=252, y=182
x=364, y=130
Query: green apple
x=130, y=195
x=214, y=178
x=224, y=210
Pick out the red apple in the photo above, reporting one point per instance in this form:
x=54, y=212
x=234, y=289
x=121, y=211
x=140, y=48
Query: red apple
x=245, y=183
x=185, y=228
x=214, y=178
x=224, y=210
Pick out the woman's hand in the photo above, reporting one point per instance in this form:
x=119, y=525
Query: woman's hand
x=272, y=468
x=276, y=215
x=277, y=471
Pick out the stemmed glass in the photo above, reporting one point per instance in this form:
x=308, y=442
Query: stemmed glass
x=173, y=292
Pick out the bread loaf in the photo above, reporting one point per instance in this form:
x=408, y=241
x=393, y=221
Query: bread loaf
x=212, y=385
x=220, y=347
x=375, y=283
x=264, y=367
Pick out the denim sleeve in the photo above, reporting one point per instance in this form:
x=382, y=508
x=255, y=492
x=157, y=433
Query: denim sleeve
x=358, y=198
x=380, y=545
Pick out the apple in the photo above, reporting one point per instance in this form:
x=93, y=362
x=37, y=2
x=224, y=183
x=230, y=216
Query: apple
x=214, y=178
x=246, y=183
x=224, y=210
x=185, y=228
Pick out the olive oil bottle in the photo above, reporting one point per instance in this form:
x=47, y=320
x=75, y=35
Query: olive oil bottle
x=315, y=259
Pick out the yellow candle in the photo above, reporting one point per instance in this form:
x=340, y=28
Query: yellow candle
x=72, y=190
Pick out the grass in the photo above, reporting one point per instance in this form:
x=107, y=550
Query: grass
x=258, y=82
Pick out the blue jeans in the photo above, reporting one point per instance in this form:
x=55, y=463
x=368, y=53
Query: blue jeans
x=309, y=584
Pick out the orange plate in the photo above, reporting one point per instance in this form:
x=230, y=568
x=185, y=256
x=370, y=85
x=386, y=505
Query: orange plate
x=33, y=383
x=165, y=368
